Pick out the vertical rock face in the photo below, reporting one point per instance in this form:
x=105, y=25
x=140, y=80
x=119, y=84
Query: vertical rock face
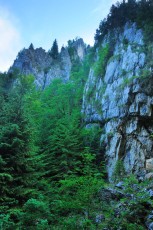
x=65, y=63
x=35, y=62
x=39, y=63
x=121, y=100
x=80, y=48
x=77, y=49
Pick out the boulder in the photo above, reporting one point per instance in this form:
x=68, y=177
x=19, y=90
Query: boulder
x=149, y=165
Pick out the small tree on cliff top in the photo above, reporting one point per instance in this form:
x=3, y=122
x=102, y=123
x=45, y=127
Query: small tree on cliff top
x=54, y=50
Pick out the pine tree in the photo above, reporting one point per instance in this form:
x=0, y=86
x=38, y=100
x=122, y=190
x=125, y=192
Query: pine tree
x=19, y=161
x=63, y=155
x=31, y=47
x=60, y=132
x=54, y=50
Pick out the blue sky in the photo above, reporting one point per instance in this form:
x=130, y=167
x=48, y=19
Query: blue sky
x=41, y=21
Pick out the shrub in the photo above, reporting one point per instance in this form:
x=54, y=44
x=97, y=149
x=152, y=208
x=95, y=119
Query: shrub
x=100, y=65
x=119, y=171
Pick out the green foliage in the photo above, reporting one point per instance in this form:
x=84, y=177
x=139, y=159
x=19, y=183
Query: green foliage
x=35, y=215
x=138, y=204
x=6, y=222
x=140, y=12
x=100, y=65
x=54, y=50
x=92, y=139
x=128, y=80
x=119, y=171
x=145, y=73
x=71, y=48
x=78, y=196
x=51, y=170
x=130, y=206
x=18, y=154
x=60, y=131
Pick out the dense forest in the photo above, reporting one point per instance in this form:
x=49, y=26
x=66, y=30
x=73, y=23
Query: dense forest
x=52, y=167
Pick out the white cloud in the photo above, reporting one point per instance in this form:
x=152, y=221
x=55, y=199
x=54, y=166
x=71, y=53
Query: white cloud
x=10, y=40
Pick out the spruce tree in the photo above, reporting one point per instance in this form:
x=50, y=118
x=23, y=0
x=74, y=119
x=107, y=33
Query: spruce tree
x=60, y=131
x=31, y=47
x=54, y=50
x=19, y=175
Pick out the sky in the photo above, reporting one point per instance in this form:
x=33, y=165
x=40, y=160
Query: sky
x=23, y=22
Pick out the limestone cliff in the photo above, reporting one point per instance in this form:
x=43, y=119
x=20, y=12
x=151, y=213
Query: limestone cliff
x=120, y=99
x=39, y=63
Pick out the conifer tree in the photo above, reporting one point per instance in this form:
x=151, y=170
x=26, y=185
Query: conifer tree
x=18, y=154
x=54, y=50
x=31, y=47
x=60, y=132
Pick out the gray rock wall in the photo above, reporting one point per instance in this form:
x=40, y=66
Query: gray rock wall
x=122, y=102
x=44, y=68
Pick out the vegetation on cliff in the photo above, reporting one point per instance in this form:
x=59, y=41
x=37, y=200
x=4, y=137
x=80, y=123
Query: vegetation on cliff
x=52, y=169
x=140, y=12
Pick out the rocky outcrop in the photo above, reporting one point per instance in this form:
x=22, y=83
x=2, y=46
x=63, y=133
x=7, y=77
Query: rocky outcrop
x=33, y=61
x=77, y=49
x=43, y=67
x=121, y=101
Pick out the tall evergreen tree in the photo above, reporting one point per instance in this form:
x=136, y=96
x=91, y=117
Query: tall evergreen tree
x=60, y=132
x=19, y=161
x=54, y=50
x=31, y=47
